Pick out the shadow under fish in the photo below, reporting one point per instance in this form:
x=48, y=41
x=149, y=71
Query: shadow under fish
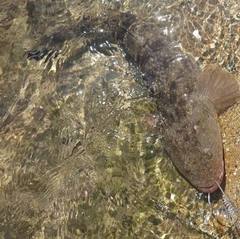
x=188, y=97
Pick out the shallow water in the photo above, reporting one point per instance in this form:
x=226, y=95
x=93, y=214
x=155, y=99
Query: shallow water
x=80, y=152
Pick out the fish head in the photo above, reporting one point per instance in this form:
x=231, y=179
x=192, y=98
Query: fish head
x=194, y=145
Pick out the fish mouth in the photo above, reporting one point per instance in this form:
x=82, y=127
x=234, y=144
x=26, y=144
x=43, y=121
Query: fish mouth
x=213, y=187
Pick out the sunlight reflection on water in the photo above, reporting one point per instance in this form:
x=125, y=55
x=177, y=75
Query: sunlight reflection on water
x=81, y=155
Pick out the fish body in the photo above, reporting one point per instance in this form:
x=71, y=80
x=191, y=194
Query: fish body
x=188, y=98
x=191, y=133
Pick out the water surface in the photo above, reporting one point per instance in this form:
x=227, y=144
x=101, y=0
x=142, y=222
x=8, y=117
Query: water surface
x=80, y=152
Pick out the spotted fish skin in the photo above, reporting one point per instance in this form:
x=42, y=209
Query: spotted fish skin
x=188, y=97
x=191, y=133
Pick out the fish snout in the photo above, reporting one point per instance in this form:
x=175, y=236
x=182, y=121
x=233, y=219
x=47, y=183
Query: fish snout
x=212, y=188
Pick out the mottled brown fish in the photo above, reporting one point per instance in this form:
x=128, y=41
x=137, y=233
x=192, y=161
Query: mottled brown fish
x=188, y=98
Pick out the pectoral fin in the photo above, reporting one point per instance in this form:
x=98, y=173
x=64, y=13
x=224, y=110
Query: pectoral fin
x=219, y=86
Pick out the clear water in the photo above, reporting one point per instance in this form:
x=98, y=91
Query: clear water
x=80, y=148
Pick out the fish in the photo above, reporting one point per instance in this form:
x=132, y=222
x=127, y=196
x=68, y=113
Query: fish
x=189, y=98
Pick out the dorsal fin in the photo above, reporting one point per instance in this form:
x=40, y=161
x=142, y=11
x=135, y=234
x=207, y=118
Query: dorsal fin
x=219, y=86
